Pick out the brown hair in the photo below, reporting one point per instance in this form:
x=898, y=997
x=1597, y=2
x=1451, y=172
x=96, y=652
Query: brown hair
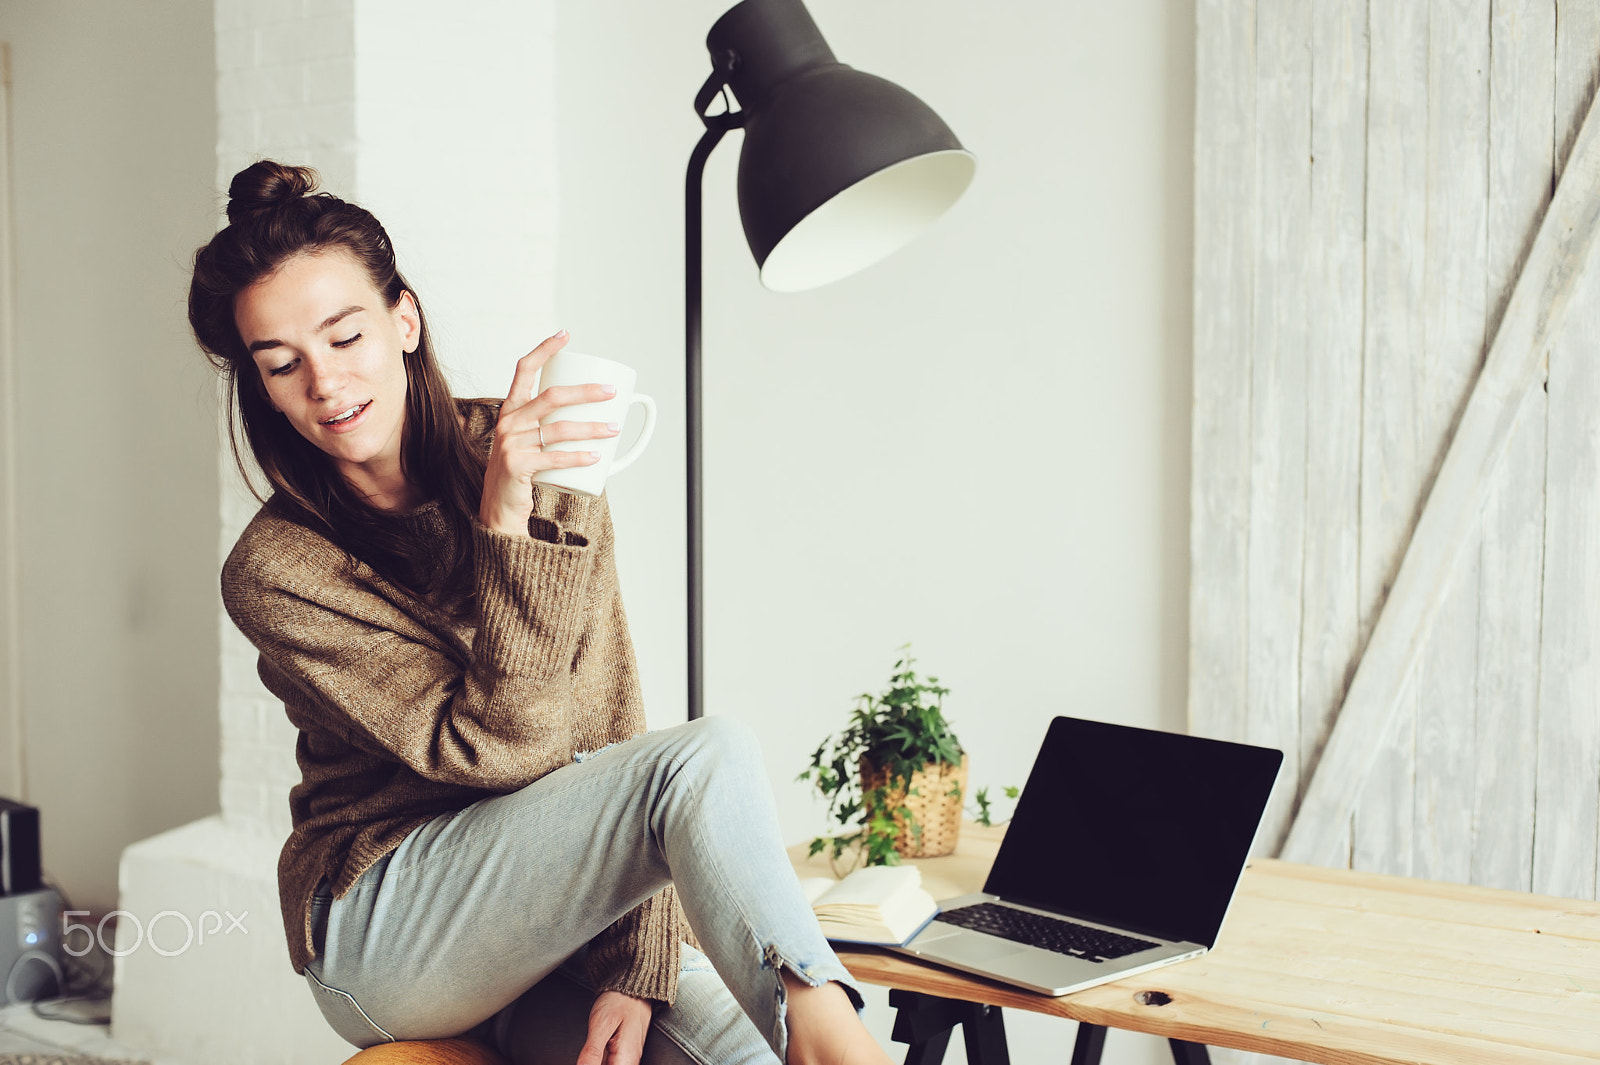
x=274, y=214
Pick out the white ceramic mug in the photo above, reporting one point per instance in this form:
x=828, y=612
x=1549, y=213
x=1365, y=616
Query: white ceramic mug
x=574, y=368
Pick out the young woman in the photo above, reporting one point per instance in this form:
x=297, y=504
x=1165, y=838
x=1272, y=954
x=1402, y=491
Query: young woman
x=485, y=841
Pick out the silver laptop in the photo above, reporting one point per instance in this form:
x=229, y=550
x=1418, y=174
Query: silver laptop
x=1124, y=854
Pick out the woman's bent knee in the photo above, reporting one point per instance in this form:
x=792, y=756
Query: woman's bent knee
x=727, y=732
x=717, y=740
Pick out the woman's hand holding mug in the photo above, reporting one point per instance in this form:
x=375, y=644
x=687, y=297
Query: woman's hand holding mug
x=518, y=453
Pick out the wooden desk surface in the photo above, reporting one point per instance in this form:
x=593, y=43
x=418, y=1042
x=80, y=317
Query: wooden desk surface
x=1330, y=966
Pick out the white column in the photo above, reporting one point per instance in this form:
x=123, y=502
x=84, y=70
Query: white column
x=442, y=122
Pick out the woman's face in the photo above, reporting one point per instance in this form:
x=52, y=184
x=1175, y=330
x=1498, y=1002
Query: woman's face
x=326, y=344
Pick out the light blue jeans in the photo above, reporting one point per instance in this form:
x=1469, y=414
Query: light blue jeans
x=477, y=922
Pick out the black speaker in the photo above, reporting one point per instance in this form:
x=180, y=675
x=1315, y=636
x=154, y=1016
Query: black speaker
x=19, y=848
x=30, y=948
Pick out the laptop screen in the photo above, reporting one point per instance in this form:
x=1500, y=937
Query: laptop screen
x=1141, y=829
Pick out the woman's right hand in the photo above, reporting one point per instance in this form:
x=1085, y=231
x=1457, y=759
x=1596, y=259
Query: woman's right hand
x=516, y=453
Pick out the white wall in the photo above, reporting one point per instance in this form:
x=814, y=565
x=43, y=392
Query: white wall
x=979, y=445
x=112, y=156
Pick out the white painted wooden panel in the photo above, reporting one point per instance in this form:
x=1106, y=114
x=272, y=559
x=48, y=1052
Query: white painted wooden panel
x=1453, y=314
x=1511, y=558
x=1564, y=854
x=1542, y=296
x=1330, y=628
x=1380, y=827
x=1395, y=451
x=1224, y=257
x=1278, y=394
x=1385, y=168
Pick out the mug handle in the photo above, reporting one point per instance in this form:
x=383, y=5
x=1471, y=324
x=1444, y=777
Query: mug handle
x=622, y=462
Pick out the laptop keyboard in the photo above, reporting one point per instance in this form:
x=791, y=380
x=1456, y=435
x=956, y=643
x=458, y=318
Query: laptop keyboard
x=1048, y=933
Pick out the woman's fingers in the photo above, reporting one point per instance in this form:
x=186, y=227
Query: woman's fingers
x=553, y=399
x=618, y=1024
x=594, y=1048
x=561, y=458
x=557, y=432
x=528, y=371
x=527, y=449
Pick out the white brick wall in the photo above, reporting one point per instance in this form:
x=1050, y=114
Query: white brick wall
x=285, y=90
x=258, y=765
x=286, y=87
x=442, y=122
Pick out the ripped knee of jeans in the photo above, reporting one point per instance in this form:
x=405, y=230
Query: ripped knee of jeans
x=693, y=961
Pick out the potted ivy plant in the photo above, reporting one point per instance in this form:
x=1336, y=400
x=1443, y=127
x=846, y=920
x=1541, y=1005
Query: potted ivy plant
x=894, y=778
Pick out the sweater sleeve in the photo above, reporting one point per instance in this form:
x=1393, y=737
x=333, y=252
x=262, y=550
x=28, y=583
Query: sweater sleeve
x=640, y=953
x=497, y=721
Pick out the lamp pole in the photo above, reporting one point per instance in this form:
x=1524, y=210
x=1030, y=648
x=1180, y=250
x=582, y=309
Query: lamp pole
x=717, y=127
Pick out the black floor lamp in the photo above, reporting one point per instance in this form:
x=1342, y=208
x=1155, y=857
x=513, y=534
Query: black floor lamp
x=838, y=169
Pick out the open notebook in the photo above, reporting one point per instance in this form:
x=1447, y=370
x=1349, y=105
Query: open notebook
x=881, y=904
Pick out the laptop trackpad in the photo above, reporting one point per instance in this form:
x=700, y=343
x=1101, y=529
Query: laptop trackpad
x=976, y=950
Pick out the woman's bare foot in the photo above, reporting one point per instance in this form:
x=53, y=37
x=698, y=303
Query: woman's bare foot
x=824, y=1028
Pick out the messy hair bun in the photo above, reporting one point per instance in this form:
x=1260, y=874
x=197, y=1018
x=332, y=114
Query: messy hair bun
x=275, y=213
x=265, y=185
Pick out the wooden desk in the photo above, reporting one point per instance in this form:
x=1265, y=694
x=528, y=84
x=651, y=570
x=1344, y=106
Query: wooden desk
x=1328, y=966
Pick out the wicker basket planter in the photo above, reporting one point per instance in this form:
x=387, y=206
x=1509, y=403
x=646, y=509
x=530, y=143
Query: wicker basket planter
x=899, y=735
x=937, y=792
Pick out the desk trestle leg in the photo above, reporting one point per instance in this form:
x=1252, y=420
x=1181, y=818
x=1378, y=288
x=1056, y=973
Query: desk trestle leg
x=1184, y=1053
x=1091, y=1044
x=924, y=1022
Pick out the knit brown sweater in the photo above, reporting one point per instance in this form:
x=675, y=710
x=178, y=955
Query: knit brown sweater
x=405, y=713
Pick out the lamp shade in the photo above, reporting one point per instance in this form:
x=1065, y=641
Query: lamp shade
x=839, y=168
